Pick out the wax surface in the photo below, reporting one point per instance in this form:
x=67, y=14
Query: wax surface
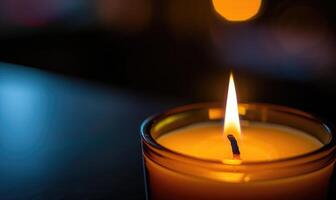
x=258, y=142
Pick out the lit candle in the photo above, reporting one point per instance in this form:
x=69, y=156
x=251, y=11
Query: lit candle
x=262, y=142
x=270, y=155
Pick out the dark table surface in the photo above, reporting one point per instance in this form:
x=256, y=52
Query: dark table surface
x=64, y=138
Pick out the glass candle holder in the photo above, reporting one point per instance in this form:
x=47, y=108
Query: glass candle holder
x=173, y=175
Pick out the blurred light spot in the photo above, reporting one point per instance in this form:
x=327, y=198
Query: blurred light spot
x=300, y=28
x=269, y=50
x=237, y=10
x=188, y=18
x=125, y=15
x=35, y=13
x=22, y=125
x=20, y=104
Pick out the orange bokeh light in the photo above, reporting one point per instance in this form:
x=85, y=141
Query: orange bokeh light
x=237, y=10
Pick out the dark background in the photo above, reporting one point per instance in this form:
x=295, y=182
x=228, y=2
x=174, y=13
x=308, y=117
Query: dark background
x=180, y=48
x=132, y=58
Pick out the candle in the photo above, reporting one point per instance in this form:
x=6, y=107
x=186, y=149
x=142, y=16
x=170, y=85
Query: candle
x=271, y=152
x=262, y=142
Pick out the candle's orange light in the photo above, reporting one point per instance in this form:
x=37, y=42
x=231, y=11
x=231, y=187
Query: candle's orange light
x=231, y=118
x=237, y=10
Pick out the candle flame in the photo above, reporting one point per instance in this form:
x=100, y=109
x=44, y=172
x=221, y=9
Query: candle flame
x=231, y=118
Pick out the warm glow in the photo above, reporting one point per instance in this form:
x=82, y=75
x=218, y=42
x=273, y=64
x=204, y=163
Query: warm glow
x=237, y=10
x=231, y=119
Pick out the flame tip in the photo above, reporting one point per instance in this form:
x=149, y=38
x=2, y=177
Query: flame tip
x=231, y=74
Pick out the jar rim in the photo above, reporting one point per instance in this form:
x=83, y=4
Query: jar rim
x=328, y=148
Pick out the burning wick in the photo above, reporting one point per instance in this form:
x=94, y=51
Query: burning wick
x=234, y=146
